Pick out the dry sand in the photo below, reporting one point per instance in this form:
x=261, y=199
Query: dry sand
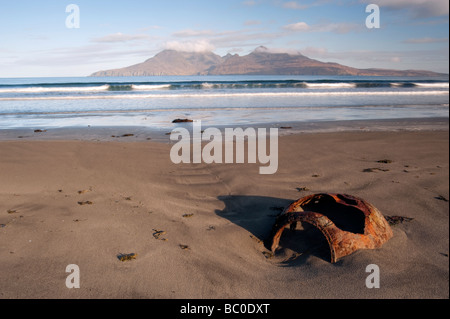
x=214, y=218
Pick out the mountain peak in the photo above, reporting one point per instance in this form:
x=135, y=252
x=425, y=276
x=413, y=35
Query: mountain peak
x=261, y=49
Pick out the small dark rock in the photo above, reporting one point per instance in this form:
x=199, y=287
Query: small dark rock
x=385, y=161
x=182, y=121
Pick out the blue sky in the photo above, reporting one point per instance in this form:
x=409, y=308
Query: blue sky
x=35, y=41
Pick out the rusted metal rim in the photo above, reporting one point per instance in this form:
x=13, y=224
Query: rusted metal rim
x=348, y=223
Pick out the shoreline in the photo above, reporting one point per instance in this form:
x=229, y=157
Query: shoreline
x=141, y=133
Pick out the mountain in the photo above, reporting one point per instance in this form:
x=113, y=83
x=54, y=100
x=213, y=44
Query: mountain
x=168, y=62
x=259, y=62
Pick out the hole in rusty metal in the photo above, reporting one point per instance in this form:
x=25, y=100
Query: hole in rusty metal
x=347, y=218
x=304, y=239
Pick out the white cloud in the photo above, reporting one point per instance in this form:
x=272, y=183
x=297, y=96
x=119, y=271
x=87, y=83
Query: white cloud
x=315, y=52
x=426, y=40
x=433, y=60
x=149, y=28
x=299, y=26
x=120, y=37
x=340, y=28
x=289, y=51
x=252, y=22
x=190, y=46
x=225, y=39
x=294, y=5
x=418, y=8
x=193, y=33
x=249, y=3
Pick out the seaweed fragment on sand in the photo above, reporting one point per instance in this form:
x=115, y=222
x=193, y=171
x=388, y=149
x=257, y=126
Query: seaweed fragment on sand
x=440, y=197
x=158, y=233
x=85, y=203
x=127, y=257
x=375, y=169
x=395, y=220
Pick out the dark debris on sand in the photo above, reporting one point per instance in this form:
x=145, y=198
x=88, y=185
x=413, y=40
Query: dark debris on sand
x=385, y=161
x=395, y=220
x=374, y=169
x=182, y=121
x=440, y=197
x=127, y=257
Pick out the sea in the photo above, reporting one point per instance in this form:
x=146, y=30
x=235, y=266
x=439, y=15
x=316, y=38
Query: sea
x=154, y=102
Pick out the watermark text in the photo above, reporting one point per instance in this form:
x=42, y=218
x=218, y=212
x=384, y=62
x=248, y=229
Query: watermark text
x=226, y=148
x=73, y=19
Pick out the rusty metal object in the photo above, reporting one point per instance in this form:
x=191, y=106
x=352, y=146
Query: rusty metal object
x=347, y=222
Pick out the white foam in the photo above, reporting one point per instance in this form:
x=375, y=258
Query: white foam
x=150, y=87
x=207, y=85
x=331, y=85
x=228, y=95
x=39, y=89
x=433, y=85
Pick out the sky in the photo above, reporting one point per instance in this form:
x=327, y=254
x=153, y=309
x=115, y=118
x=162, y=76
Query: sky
x=38, y=37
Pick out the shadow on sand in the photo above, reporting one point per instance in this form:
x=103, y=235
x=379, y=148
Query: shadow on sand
x=257, y=214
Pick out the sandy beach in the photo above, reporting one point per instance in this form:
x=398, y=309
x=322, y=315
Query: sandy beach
x=197, y=229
